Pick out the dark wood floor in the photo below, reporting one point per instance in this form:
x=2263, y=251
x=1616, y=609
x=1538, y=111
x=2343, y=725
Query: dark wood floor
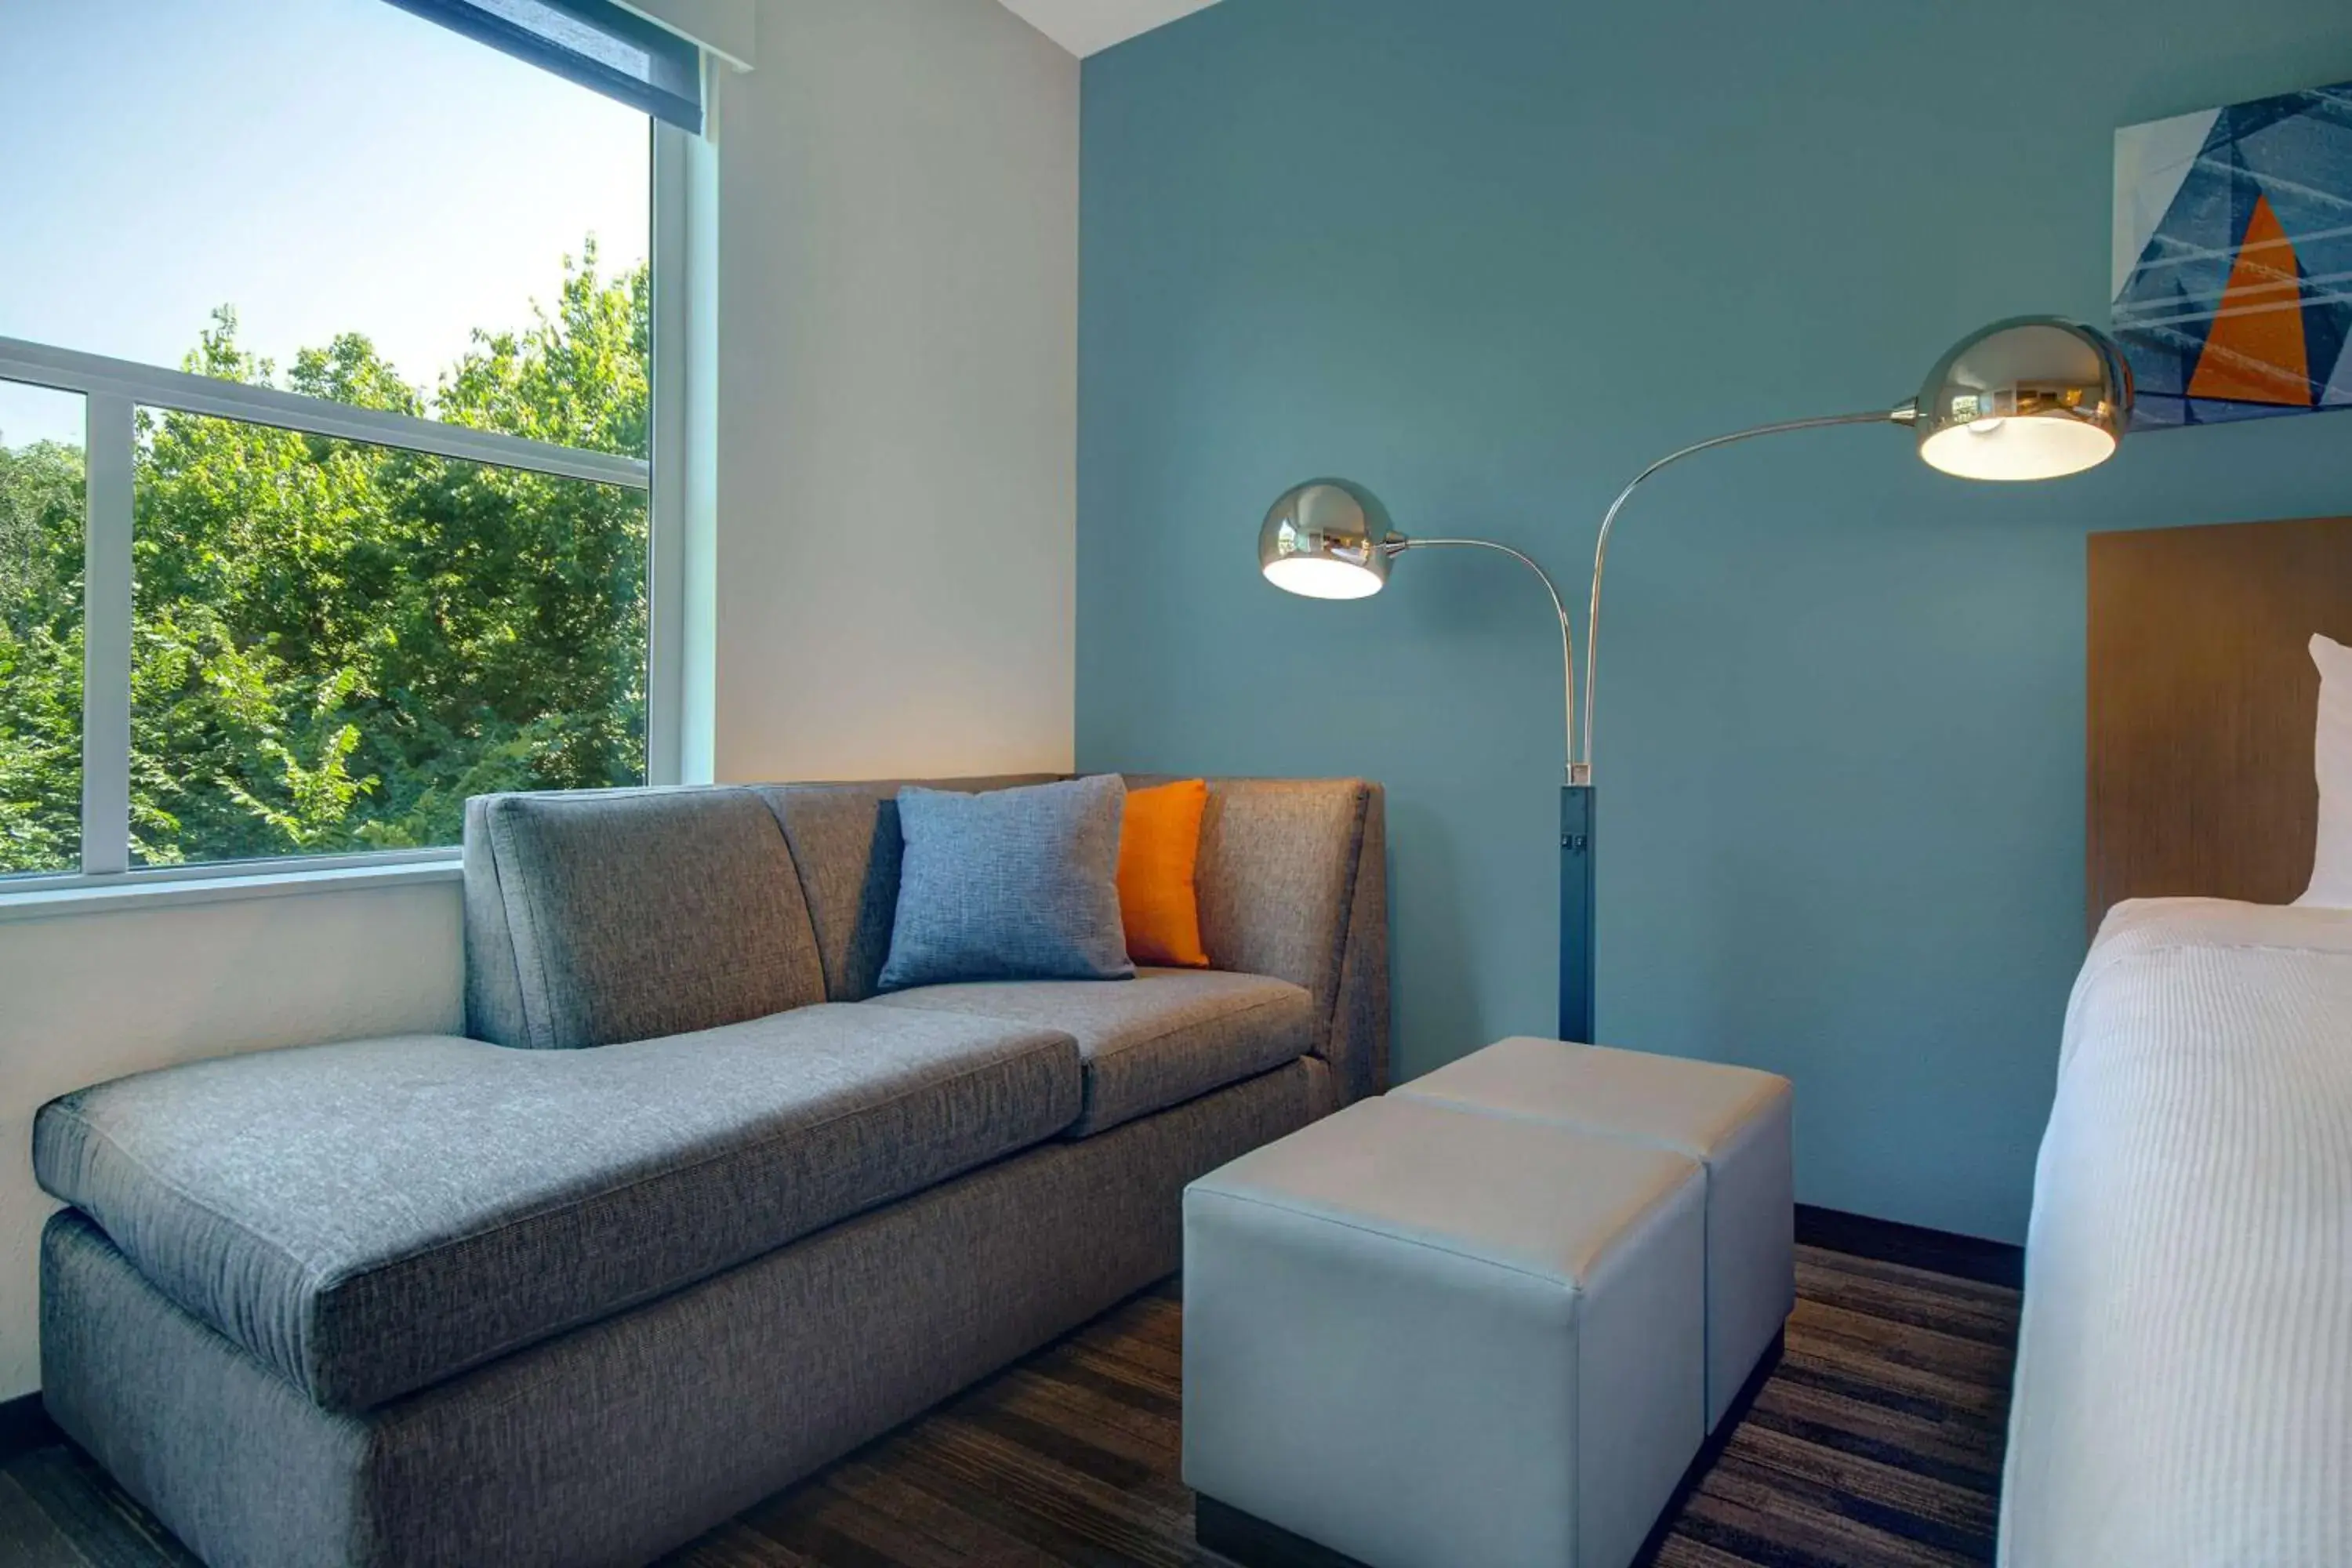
x=1876, y=1442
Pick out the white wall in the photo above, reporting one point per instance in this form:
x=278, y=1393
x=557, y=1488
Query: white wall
x=897, y=471
x=897, y=388
x=93, y=996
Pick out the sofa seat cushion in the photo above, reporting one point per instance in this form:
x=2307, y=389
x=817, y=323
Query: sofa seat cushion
x=1148, y=1043
x=370, y=1218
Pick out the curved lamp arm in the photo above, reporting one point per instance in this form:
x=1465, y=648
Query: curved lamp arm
x=1397, y=544
x=1580, y=766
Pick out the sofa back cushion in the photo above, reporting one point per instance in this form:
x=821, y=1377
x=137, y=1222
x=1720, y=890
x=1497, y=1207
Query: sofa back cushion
x=604, y=916
x=846, y=845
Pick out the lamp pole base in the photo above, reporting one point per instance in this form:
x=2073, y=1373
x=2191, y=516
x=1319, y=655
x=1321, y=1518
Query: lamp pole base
x=1575, y=912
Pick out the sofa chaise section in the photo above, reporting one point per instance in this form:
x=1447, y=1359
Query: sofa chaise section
x=608, y=1445
x=370, y=1218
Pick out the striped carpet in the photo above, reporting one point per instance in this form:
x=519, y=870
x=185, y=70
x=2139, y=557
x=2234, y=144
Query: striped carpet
x=1877, y=1441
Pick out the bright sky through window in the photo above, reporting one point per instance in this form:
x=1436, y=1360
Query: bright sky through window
x=321, y=166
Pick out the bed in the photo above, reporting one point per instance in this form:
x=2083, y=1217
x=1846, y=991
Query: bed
x=2183, y=1392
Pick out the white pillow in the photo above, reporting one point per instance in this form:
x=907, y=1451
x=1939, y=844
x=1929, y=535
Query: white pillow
x=2331, y=867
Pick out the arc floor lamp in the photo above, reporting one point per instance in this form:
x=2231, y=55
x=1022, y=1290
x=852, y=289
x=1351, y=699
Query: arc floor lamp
x=2035, y=397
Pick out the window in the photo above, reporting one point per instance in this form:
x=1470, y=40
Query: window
x=384, y=537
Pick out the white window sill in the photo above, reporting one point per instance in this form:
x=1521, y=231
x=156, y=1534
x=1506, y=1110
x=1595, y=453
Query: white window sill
x=138, y=891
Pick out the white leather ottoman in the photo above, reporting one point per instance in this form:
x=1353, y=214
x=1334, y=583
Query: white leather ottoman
x=1732, y=1120
x=1427, y=1337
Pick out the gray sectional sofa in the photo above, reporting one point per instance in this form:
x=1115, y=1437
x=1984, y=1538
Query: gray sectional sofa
x=695, y=1212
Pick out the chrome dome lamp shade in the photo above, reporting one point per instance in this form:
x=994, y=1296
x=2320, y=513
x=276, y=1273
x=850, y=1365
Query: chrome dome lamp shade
x=2036, y=397
x=1326, y=539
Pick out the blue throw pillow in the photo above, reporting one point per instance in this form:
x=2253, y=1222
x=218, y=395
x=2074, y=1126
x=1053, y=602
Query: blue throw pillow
x=1014, y=884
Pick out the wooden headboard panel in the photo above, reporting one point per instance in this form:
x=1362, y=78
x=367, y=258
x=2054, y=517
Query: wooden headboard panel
x=2202, y=696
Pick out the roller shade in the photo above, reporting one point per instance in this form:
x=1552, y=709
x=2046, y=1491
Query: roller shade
x=593, y=42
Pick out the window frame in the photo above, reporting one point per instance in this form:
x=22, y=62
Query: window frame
x=113, y=390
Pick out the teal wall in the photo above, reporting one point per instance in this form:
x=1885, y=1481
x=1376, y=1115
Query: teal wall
x=1492, y=255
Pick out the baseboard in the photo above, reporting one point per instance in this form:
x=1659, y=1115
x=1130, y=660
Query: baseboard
x=1916, y=1247
x=24, y=1425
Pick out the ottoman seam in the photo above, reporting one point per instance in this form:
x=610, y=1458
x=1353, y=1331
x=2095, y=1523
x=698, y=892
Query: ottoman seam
x=1573, y=1288
x=1593, y=1128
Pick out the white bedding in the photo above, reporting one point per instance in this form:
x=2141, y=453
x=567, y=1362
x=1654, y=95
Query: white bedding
x=2184, y=1374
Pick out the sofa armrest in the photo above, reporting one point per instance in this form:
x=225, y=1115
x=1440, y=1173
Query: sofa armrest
x=1293, y=883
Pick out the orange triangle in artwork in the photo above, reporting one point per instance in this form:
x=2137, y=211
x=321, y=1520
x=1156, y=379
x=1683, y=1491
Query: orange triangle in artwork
x=2255, y=351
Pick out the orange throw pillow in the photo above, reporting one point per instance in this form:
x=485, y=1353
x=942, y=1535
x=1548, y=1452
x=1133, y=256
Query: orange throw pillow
x=1159, y=846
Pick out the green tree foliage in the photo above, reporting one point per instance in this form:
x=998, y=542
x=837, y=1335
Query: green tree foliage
x=335, y=644
x=40, y=658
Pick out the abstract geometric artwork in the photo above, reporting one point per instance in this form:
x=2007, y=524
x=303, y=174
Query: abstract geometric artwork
x=2233, y=259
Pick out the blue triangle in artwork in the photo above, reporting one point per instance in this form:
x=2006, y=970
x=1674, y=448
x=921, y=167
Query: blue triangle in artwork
x=2338, y=391
x=2327, y=336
